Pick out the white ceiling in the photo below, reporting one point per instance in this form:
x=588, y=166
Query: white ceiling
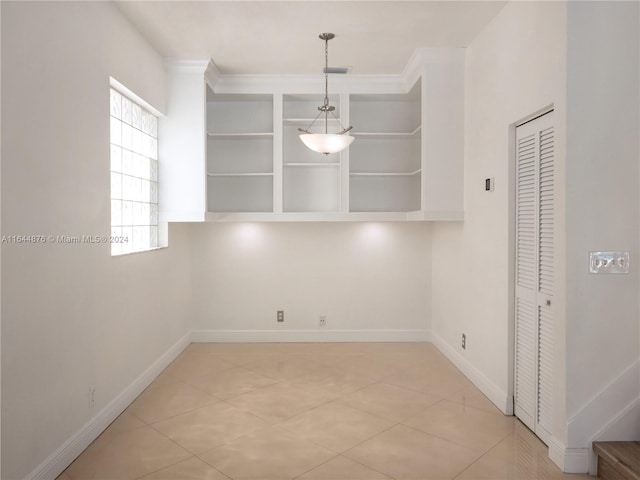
x=281, y=37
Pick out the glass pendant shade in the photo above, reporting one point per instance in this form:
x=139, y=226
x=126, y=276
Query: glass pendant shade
x=326, y=142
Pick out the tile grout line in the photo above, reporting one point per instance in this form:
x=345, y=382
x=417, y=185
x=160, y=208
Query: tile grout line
x=483, y=455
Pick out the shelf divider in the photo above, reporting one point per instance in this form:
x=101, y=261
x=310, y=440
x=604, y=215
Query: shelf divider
x=385, y=174
x=239, y=174
x=240, y=136
x=312, y=164
x=387, y=134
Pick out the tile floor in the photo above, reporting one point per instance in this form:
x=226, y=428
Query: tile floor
x=330, y=411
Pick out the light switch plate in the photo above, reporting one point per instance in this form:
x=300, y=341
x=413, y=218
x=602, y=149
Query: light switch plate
x=608, y=262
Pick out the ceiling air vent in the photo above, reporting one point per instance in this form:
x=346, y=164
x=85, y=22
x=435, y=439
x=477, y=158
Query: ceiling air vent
x=339, y=70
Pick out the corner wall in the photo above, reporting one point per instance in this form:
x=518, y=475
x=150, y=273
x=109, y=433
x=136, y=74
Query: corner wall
x=603, y=211
x=370, y=280
x=582, y=58
x=514, y=68
x=72, y=315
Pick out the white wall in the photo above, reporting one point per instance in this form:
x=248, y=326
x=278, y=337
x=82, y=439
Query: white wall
x=0, y=261
x=73, y=316
x=583, y=59
x=603, y=122
x=514, y=68
x=363, y=276
x=443, y=130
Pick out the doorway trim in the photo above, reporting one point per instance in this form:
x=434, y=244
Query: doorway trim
x=512, y=247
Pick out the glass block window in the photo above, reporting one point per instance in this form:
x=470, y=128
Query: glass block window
x=134, y=177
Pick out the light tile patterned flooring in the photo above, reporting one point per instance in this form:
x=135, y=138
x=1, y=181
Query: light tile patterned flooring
x=326, y=411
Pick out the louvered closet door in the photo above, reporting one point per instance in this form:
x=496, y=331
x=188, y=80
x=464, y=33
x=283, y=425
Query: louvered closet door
x=534, y=274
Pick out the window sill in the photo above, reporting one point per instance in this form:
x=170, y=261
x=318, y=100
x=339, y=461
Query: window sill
x=126, y=254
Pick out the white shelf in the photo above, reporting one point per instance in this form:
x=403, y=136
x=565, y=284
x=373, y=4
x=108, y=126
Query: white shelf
x=234, y=174
x=240, y=136
x=309, y=217
x=385, y=174
x=415, y=216
x=312, y=164
x=306, y=121
x=387, y=135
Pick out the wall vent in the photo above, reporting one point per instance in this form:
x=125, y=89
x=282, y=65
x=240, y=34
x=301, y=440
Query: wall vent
x=338, y=70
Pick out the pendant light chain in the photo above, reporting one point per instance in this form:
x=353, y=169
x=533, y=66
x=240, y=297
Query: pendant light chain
x=326, y=142
x=326, y=84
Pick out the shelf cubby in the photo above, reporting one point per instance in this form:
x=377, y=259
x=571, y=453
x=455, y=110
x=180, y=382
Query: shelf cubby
x=239, y=114
x=240, y=155
x=310, y=180
x=384, y=193
x=240, y=145
x=311, y=188
x=385, y=160
x=240, y=193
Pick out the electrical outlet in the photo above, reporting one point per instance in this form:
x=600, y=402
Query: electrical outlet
x=322, y=321
x=92, y=396
x=280, y=316
x=489, y=184
x=464, y=341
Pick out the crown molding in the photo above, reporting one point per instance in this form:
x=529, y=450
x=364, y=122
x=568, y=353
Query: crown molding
x=301, y=84
x=212, y=74
x=187, y=65
x=417, y=65
x=420, y=60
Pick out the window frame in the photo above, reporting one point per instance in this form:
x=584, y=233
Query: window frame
x=140, y=229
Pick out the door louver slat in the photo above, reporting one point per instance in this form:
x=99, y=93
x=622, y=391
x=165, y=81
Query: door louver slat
x=545, y=371
x=525, y=390
x=545, y=216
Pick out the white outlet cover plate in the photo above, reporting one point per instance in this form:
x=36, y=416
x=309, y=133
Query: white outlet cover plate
x=608, y=262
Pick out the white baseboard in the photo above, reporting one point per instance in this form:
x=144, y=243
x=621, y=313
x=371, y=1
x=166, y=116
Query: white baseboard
x=569, y=460
x=498, y=396
x=55, y=463
x=576, y=460
x=623, y=427
x=611, y=414
x=276, y=336
x=556, y=453
x=599, y=411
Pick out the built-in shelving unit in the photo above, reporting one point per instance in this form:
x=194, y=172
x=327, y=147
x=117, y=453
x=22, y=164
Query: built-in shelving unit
x=240, y=143
x=386, y=158
x=311, y=180
x=230, y=150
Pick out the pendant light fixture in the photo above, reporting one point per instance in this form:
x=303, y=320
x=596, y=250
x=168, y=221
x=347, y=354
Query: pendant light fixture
x=326, y=142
